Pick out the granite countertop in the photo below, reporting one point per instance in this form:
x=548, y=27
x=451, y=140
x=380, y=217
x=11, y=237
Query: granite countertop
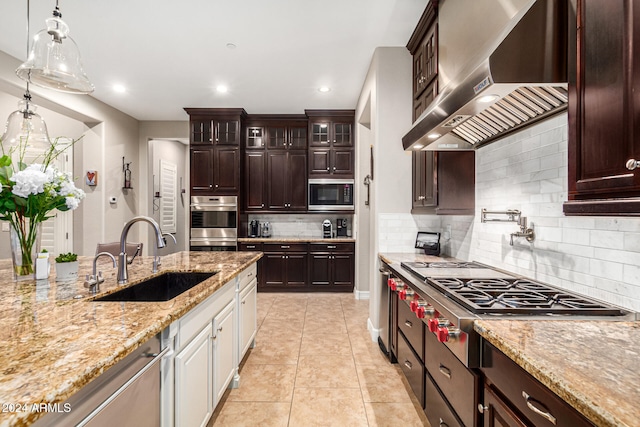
x=278, y=239
x=52, y=343
x=593, y=365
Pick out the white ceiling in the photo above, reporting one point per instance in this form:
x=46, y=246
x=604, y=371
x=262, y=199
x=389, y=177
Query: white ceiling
x=172, y=54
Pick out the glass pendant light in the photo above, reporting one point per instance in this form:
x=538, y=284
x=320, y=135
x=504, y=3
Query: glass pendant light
x=54, y=59
x=25, y=134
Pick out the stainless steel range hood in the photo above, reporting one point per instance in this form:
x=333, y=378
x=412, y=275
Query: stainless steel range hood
x=521, y=78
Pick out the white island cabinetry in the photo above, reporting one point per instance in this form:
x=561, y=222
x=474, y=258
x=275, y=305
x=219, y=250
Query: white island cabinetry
x=208, y=344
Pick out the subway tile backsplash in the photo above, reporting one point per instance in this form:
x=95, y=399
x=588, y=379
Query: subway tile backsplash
x=300, y=225
x=596, y=256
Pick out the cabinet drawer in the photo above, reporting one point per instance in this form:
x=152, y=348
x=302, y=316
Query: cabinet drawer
x=412, y=328
x=247, y=276
x=331, y=247
x=412, y=368
x=436, y=408
x=458, y=384
x=286, y=247
x=246, y=246
x=515, y=384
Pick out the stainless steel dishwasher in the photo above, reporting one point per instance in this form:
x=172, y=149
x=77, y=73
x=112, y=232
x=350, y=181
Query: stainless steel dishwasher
x=127, y=394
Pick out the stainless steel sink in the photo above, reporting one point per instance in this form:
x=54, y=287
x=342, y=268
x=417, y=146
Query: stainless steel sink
x=160, y=288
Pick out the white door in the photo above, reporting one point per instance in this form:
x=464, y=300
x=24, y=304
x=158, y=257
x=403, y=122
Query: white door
x=57, y=232
x=247, y=317
x=223, y=349
x=193, y=381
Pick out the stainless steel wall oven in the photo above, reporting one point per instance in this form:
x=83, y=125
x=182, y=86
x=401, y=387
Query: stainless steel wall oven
x=214, y=223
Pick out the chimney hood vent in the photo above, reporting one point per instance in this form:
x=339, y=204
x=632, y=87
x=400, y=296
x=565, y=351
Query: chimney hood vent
x=523, y=80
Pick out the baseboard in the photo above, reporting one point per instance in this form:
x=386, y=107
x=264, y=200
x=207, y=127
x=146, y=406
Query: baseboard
x=361, y=294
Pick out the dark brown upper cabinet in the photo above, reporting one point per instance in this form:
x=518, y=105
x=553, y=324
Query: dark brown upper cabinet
x=215, y=138
x=255, y=138
x=423, y=46
x=444, y=182
x=331, y=143
x=287, y=137
x=604, y=106
x=255, y=183
x=287, y=180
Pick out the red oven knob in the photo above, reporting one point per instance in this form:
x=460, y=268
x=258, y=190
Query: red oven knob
x=433, y=324
x=405, y=293
x=391, y=283
x=442, y=334
x=414, y=304
x=420, y=311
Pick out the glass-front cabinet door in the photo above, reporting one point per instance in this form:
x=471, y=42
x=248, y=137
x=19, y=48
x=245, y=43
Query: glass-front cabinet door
x=201, y=131
x=277, y=137
x=255, y=137
x=342, y=134
x=298, y=137
x=320, y=134
x=227, y=132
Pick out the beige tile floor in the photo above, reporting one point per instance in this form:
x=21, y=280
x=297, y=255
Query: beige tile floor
x=314, y=364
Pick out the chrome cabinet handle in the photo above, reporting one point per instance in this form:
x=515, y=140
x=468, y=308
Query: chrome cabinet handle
x=543, y=413
x=408, y=364
x=251, y=246
x=632, y=164
x=331, y=247
x=443, y=424
x=421, y=197
x=445, y=371
x=262, y=205
x=334, y=168
x=327, y=167
x=408, y=323
x=284, y=247
x=482, y=408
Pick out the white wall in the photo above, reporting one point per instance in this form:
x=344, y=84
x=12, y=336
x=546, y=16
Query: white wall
x=108, y=136
x=595, y=256
x=385, y=99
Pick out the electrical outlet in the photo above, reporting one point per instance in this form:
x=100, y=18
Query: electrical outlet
x=447, y=232
x=5, y=226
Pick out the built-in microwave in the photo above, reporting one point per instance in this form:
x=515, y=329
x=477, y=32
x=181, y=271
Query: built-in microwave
x=331, y=195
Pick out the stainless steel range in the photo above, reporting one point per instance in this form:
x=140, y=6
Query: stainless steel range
x=449, y=296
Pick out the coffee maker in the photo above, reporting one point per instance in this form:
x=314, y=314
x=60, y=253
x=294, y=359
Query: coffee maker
x=327, y=229
x=342, y=227
x=254, y=228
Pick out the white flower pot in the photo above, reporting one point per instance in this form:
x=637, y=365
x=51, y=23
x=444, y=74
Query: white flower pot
x=66, y=271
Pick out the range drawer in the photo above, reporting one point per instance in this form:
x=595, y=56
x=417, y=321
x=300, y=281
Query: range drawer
x=411, y=367
x=438, y=412
x=458, y=384
x=331, y=247
x=287, y=247
x=539, y=405
x=411, y=327
x=246, y=246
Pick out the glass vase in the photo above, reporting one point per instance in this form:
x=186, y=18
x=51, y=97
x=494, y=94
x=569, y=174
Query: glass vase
x=25, y=245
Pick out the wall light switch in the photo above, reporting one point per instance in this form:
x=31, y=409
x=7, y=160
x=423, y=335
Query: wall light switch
x=5, y=226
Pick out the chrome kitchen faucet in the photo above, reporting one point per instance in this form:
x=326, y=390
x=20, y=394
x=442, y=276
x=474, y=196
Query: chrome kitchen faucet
x=123, y=275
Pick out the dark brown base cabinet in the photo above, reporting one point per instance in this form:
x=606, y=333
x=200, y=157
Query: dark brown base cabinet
x=285, y=266
x=304, y=267
x=519, y=399
x=331, y=267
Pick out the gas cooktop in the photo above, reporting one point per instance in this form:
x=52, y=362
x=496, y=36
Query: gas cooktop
x=518, y=296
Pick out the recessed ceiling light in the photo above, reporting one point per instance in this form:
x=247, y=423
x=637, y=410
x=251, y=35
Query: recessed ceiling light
x=119, y=88
x=433, y=135
x=418, y=146
x=231, y=46
x=222, y=89
x=487, y=98
x=324, y=89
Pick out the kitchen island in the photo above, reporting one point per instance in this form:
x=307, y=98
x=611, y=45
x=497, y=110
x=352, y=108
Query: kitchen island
x=54, y=339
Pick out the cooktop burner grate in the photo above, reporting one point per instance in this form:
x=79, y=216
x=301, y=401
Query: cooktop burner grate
x=442, y=264
x=517, y=296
